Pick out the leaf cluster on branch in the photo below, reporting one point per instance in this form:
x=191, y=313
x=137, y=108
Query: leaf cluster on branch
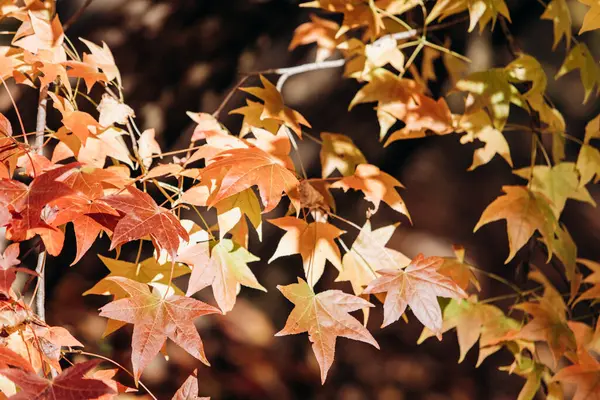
x=95, y=172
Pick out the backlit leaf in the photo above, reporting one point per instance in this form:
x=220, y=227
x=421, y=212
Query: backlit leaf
x=325, y=316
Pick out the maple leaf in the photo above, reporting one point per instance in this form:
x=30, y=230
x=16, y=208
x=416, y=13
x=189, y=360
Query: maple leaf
x=557, y=183
x=71, y=384
x=367, y=255
x=491, y=90
x=233, y=208
x=155, y=318
x=144, y=217
x=274, y=107
x=320, y=31
x=86, y=210
x=418, y=286
x=403, y=99
x=8, y=260
x=591, y=21
x=339, y=152
x=376, y=185
x=480, y=12
x=225, y=270
x=313, y=241
x=478, y=125
x=106, y=144
x=206, y=125
x=594, y=279
x=106, y=376
x=458, y=270
x=470, y=318
x=148, y=146
x=382, y=52
x=146, y=271
x=581, y=58
x=81, y=124
x=585, y=374
x=240, y=169
x=30, y=200
x=252, y=113
x=189, y=389
x=86, y=70
x=45, y=34
x=356, y=14
x=325, y=316
x=10, y=358
x=549, y=320
x=528, y=69
x=102, y=58
x=558, y=12
x=113, y=111
x=524, y=212
x=588, y=164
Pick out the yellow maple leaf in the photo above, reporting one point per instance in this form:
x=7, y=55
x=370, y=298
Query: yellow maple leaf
x=591, y=20
x=558, y=12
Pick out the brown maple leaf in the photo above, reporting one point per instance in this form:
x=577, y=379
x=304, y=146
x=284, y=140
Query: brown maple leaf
x=313, y=241
x=549, y=320
x=418, y=286
x=156, y=318
x=144, y=217
x=71, y=384
x=325, y=316
x=524, y=212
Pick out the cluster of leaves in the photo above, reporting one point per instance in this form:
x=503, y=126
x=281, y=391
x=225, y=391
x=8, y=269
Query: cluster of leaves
x=94, y=172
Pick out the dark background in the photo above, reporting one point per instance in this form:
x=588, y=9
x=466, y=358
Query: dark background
x=178, y=55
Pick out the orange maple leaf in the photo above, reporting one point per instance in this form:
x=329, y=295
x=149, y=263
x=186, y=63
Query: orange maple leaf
x=239, y=169
x=376, y=185
x=313, y=241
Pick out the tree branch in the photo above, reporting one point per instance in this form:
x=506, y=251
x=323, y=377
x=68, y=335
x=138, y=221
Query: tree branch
x=316, y=66
x=40, y=127
x=77, y=14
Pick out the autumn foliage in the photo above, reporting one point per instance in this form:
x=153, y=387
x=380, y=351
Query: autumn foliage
x=98, y=174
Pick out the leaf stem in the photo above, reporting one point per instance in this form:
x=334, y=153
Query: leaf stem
x=86, y=353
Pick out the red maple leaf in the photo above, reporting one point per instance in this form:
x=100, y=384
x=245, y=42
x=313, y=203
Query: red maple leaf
x=144, y=217
x=72, y=384
x=156, y=318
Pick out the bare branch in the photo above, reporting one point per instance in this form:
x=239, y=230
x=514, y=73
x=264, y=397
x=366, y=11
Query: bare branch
x=40, y=127
x=316, y=66
x=77, y=14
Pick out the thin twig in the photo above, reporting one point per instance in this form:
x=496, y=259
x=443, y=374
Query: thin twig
x=76, y=16
x=40, y=127
x=86, y=353
x=229, y=96
x=300, y=69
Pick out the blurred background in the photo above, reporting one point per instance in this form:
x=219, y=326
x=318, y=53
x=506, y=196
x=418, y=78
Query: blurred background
x=186, y=55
